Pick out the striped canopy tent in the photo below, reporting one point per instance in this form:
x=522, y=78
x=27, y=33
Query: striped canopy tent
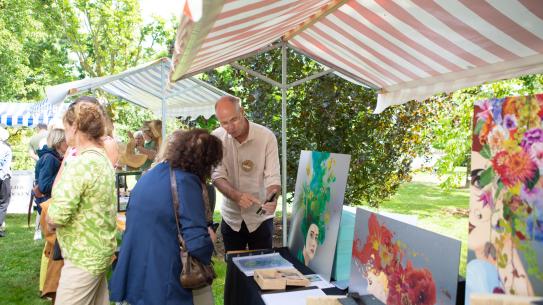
x=146, y=85
x=22, y=114
x=406, y=50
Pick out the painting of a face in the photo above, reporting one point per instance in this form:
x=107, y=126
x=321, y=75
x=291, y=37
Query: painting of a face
x=311, y=241
x=401, y=263
x=504, y=250
x=318, y=203
x=377, y=284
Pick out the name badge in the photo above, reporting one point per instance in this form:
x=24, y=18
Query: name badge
x=247, y=165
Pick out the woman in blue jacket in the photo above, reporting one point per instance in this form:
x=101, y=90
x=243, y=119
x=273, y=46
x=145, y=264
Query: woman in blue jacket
x=148, y=268
x=47, y=167
x=50, y=158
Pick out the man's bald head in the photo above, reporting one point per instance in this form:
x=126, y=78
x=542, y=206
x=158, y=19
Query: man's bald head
x=230, y=115
x=227, y=101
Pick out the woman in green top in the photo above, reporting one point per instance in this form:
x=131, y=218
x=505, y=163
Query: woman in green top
x=83, y=208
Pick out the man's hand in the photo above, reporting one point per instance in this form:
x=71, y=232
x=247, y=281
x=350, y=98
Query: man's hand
x=269, y=207
x=246, y=200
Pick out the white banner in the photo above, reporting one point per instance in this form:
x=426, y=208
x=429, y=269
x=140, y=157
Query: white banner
x=21, y=186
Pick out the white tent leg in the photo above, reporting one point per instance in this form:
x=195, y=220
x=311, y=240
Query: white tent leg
x=284, y=139
x=164, y=106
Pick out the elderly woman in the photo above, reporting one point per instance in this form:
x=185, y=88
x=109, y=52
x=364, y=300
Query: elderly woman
x=83, y=208
x=148, y=268
x=50, y=159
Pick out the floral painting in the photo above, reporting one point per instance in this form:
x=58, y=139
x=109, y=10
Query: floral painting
x=318, y=202
x=401, y=264
x=506, y=204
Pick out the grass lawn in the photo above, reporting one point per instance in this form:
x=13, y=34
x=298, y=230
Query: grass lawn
x=20, y=255
x=437, y=211
x=20, y=266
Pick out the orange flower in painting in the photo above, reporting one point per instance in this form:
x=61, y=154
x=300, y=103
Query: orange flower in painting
x=485, y=131
x=510, y=106
x=513, y=167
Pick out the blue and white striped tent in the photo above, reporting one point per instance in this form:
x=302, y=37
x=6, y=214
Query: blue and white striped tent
x=147, y=86
x=23, y=114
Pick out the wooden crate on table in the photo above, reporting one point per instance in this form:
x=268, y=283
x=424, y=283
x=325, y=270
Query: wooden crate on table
x=279, y=279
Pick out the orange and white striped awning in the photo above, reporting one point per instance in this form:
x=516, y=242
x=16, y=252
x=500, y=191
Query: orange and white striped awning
x=408, y=49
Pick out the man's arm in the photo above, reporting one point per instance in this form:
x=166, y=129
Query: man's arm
x=244, y=200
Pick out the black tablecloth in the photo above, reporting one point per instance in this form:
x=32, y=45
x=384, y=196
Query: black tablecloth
x=240, y=289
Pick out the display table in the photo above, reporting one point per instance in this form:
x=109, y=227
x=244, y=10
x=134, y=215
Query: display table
x=240, y=289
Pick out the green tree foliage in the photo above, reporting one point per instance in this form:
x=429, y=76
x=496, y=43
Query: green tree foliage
x=108, y=36
x=331, y=114
x=32, y=50
x=47, y=42
x=451, y=130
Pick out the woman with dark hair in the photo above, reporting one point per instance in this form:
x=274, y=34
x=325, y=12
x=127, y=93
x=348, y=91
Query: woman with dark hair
x=148, y=269
x=83, y=208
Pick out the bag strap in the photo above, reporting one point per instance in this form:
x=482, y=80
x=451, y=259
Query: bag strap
x=175, y=197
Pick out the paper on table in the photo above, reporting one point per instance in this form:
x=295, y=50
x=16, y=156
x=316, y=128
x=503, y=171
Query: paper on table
x=317, y=281
x=248, y=264
x=291, y=298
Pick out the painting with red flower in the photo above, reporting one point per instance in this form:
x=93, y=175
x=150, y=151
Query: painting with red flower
x=505, y=241
x=402, y=264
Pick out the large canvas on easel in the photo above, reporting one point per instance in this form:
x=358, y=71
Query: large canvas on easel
x=399, y=263
x=505, y=238
x=318, y=200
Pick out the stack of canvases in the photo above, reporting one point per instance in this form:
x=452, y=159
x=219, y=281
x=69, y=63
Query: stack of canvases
x=506, y=206
x=396, y=262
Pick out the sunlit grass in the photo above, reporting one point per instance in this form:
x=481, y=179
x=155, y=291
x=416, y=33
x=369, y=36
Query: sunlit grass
x=20, y=255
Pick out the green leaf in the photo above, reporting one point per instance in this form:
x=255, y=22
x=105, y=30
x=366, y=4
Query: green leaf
x=498, y=190
x=533, y=181
x=486, y=177
x=485, y=152
x=478, y=127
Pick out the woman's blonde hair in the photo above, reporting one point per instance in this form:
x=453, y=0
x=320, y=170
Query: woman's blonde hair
x=55, y=138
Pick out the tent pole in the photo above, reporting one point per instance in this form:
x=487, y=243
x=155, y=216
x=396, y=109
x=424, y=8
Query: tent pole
x=284, y=138
x=163, y=96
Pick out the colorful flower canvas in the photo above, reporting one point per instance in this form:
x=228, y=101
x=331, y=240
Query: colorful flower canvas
x=401, y=264
x=506, y=205
x=318, y=202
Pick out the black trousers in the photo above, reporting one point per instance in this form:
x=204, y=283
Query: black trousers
x=5, y=196
x=261, y=238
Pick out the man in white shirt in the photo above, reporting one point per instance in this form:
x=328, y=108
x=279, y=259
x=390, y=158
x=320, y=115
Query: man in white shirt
x=5, y=177
x=248, y=174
